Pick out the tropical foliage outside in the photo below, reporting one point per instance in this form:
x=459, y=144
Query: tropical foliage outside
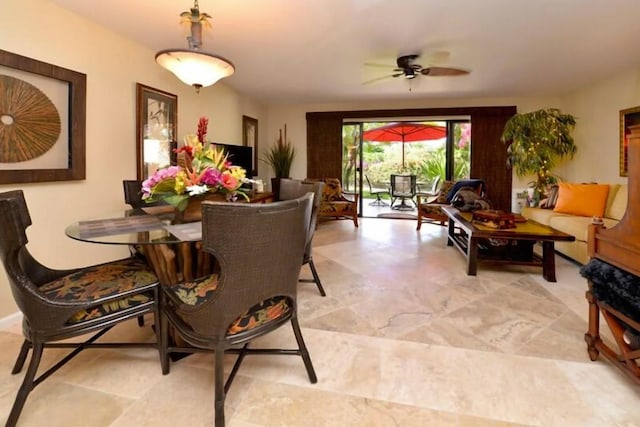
x=426, y=160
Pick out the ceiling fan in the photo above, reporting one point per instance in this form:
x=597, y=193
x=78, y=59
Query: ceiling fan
x=407, y=68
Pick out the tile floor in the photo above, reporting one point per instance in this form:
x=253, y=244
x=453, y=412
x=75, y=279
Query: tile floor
x=404, y=338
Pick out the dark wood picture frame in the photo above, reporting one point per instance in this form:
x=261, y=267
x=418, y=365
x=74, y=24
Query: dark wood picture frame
x=250, y=139
x=155, y=105
x=628, y=117
x=76, y=85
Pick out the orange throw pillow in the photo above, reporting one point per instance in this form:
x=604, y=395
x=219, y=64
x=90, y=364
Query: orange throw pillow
x=582, y=199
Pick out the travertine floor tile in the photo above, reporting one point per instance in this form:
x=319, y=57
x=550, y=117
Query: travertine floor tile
x=403, y=338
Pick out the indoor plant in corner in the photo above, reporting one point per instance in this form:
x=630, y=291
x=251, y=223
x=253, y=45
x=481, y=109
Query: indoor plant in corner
x=538, y=140
x=280, y=158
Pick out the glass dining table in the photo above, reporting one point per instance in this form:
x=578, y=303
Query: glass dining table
x=173, y=250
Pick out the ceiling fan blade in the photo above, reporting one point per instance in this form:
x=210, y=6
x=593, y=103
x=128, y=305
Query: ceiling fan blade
x=437, y=57
x=443, y=71
x=378, y=79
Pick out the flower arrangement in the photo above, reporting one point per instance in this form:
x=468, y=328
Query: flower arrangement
x=202, y=169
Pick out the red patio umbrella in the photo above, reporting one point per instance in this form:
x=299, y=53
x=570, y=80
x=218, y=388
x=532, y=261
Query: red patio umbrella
x=405, y=132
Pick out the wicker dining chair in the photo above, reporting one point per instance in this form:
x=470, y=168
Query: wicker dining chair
x=61, y=304
x=133, y=195
x=258, y=248
x=292, y=189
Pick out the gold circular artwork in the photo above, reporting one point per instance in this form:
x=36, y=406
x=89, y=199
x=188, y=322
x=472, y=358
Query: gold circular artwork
x=29, y=122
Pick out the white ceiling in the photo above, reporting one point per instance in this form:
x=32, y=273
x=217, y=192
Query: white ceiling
x=303, y=51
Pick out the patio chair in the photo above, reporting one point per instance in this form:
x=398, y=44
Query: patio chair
x=403, y=187
x=376, y=192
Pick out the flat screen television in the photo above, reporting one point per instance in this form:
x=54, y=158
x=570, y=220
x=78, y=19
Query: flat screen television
x=239, y=155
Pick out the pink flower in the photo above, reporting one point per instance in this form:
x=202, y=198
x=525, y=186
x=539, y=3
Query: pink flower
x=229, y=181
x=158, y=176
x=211, y=177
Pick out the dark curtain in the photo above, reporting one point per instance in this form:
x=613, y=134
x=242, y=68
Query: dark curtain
x=489, y=156
x=324, y=147
x=488, y=153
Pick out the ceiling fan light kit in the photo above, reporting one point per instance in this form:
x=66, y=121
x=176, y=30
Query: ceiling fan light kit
x=407, y=68
x=194, y=66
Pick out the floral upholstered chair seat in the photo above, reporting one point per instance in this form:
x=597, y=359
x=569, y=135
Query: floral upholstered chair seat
x=335, y=204
x=104, y=280
x=200, y=290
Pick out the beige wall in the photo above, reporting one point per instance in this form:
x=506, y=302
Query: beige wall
x=113, y=66
x=41, y=30
x=294, y=117
x=596, y=135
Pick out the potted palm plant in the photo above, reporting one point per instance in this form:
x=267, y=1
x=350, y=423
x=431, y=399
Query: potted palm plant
x=538, y=140
x=280, y=158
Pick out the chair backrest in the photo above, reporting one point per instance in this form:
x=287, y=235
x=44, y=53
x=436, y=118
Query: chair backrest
x=332, y=190
x=259, y=248
x=403, y=185
x=25, y=274
x=292, y=189
x=435, y=185
x=368, y=183
x=133, y=194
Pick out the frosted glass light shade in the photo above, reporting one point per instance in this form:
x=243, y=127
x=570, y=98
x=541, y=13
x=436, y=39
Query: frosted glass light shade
x=199, y=69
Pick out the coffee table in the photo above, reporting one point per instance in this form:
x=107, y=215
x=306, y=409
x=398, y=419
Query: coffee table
x=514, y=246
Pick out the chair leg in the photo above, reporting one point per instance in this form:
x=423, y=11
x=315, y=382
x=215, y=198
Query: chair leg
x=141, y=321
x=27, y=384
x=316, y=278
x=303, y=350
x=219, y=388
x=163, y=334
x=236, y=367
x=22, y=356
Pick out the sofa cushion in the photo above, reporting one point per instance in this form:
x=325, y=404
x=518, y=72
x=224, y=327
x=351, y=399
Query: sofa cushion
x=577, y=226
x=537, y=214
x=617, y=206
x=582, y=199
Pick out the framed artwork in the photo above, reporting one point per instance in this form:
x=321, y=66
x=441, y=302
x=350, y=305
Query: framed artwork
x=156, y=124
x=250, y=139
x=628, y=117
x=42, y=121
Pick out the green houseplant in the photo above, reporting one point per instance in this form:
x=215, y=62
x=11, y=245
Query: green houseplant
x=538, y=140
x=280, y=156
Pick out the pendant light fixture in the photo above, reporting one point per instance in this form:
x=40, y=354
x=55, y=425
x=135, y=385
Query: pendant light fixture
x=193, y=66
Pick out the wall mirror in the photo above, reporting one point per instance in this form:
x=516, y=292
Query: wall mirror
x=156, y=118
x=250, y=139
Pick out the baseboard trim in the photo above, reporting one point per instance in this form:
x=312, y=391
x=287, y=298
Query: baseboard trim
x=5, y=322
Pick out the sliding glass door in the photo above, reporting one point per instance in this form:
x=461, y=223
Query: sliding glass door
x=429, y=149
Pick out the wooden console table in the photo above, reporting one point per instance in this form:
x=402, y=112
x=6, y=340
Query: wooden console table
x=474, y=241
